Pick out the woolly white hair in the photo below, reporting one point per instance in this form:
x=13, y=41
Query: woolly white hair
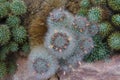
x=86, y=44
x=41, y=52
x=93, y=29
x=57, y=14
x=70, y=48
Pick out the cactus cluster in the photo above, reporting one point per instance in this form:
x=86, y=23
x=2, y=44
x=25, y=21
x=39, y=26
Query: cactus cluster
x=67, y=41
x=106, y=14
x=12, y=33
x=69, y=38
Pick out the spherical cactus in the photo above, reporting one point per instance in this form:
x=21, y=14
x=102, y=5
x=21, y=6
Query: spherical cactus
x=7, y=4
x=19, y=34
x=3, y=69
x=114, y=4
x=60, y=18
x=4, y=34
x=83, y=47
x=98, y=2
x=114, y=41
x=3, y=10
x=60, y=42
x=26, y=48
x=95, y=14
x=83, y=11
x=12, y=66
x=13, y=21
x=86, y=44
x=116, y=20
x=18, y=7
x=4, y=50
x=41, y=64
x=2, y=1
x=80, y=24
x=93, y=29
x=13, y=46
x=105, y=29
x=85, y=3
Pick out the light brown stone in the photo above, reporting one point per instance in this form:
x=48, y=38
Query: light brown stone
x=99, y=70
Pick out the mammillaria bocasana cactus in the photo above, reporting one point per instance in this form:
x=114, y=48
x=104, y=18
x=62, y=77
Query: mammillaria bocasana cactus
x=60, y=18
x=60, y=42
x=41, y=64
x=69, y=38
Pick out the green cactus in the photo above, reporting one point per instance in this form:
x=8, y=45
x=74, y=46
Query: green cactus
x=116, y=20
x=2, y=1
x=13, y=46
x=7, y=4
x=18, y=7
x=3, y=10
x=19, y=34
x=114, y=41
x=114, y=4
x=3, y=69
x=85, y=3
x=98, y=2
x=4, y=50
x=4, y=34
x=83, y=11
x=13, y=21
x=11, y=67
x=100, y=51
x=105, y=29
x=26, y=48
x=95, y=14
